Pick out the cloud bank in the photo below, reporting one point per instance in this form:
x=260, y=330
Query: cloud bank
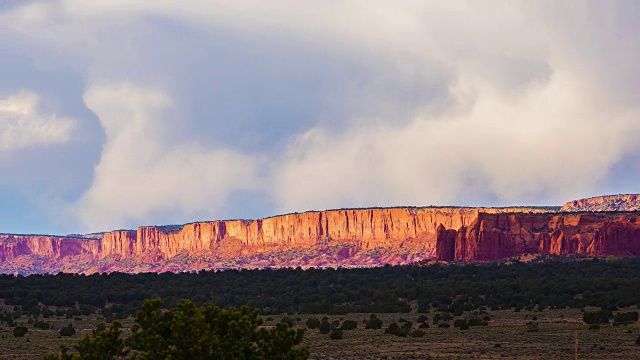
x=307, y=105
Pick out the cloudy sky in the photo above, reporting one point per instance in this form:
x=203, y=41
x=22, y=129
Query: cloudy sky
x=115, y=114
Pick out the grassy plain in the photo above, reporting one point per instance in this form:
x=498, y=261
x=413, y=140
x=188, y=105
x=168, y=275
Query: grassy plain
x=509, y=335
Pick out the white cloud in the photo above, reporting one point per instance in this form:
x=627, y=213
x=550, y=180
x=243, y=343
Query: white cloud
x=451, y=102
x=144, y=174
x=23, y=124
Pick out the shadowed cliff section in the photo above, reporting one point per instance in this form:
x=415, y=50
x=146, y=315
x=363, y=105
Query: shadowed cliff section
x=496, y=236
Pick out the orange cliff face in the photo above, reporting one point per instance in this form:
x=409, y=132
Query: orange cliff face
x=497, y=236
x=350, y=238
x=363, y=228
x=51, y=247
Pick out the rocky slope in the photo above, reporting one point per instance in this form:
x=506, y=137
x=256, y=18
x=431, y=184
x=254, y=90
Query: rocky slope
x=629, y=202
x=347, y=237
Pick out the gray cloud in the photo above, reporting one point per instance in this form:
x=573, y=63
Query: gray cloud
x=318, y=105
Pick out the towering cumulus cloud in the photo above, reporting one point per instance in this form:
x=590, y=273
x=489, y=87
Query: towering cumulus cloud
x=144, y=172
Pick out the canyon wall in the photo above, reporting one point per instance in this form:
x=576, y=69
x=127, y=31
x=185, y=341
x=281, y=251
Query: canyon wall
x=346, y=237
x=53, y=247
x=497, y=236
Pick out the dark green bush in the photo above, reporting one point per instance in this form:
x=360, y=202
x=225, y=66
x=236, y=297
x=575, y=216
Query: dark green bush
x=325, y=327
x=373, y=323
x=336, y=334
x=67, y=330
x=348, y=325
x=626, y=317
x=459, y=322
x=41, y=325
x=596, y=317
x=313, y=323
x=20, y=331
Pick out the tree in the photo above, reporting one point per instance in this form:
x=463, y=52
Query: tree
x=191, y=332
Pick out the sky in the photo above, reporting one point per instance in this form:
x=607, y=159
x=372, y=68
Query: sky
x=116, y=114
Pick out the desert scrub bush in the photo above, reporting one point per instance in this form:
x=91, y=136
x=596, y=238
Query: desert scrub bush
x=313, y=323
x=67, y=330
x=325, y=327
x=336, y=334
x=398, y=330
x=20, y=331
x=373, y=323
x=348, y=325
x=41, y=325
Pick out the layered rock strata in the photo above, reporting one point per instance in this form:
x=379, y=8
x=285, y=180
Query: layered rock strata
x=347, y=237
x=497, y=236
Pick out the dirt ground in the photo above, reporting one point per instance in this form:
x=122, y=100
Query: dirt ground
x=509, y=335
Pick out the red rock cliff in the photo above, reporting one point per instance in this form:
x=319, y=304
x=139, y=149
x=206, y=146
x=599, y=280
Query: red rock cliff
x=496, y=236
x=352, y=237
x=52, y=247
x=364, y=228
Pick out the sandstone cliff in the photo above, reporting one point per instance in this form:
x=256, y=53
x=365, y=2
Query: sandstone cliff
x=354, y=237
x=496, y=236
x=347, y=237
x=54, y=247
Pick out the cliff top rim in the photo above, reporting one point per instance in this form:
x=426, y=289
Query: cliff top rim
x=612, y=196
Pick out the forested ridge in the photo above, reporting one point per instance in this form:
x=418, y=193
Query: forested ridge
x=562, y=282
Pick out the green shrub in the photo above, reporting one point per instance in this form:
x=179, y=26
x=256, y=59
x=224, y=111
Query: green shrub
x=336, y=334
x=41, y=325
x=626, y=317
x=313, y=323
x=459, y=322
x=417, y=333
x=476, y=321
x=398, y=330
x=349, y=325
x=325, y=327
x=287, y=320
x=20, y=331
x=373, y=323
x=68, y=330
x=596, y=317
